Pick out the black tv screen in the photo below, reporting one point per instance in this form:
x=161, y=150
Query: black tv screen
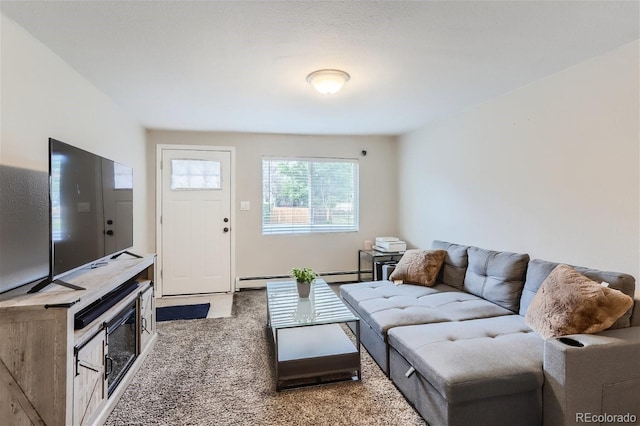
x=91, y=207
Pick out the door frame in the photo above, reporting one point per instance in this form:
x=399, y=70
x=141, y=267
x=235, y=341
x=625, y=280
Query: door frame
x=170, y=147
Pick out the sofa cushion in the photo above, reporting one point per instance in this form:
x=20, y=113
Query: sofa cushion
x=474, y=359
x=353, y=294
x=570, y=303
x=538, y=270
x=419, y=267
x=383, y=305
x=455, y=263
x=496, y=276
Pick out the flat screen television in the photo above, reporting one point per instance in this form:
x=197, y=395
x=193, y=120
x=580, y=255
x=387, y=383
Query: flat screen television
x=91, y=210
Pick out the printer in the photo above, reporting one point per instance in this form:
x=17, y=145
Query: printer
x=389, y=244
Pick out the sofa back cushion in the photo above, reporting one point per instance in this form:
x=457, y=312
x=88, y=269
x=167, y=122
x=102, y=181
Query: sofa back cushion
x=496, y=276
x=538, y=270
x=455, y=263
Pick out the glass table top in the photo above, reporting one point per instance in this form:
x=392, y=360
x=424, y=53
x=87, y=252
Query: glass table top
x=322, y=306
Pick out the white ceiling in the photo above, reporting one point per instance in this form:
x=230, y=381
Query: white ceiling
x=241, y=66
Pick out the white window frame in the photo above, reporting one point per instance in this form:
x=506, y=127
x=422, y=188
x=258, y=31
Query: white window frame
x=289, y=229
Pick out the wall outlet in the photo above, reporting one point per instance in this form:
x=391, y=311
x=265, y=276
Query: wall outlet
x=245, y=205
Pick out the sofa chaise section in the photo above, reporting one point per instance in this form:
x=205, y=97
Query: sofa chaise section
x=483, y=372
x=383, y=306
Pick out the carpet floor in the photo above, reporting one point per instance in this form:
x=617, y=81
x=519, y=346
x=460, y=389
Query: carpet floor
x=219, y=371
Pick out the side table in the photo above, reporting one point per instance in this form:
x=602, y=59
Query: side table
x=369, y=258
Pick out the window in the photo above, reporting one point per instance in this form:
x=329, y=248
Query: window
x=122, y=177
x=195, y=174
x=309, y=195
x=56, y=217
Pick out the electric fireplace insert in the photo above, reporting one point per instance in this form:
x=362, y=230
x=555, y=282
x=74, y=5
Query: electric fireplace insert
x=122, y=344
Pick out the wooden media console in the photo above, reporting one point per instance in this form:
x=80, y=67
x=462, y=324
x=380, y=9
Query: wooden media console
x=52, y=373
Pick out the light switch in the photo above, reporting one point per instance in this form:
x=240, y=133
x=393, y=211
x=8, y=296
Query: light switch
x=84, y=207
x=244, y=205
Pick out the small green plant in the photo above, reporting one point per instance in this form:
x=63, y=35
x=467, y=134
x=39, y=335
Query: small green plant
x=303, y=275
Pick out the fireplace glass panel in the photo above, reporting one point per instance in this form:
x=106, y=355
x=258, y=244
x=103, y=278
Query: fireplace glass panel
x=122, y=346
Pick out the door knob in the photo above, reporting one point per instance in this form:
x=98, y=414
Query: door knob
x=226, y=219
x=109, y=232
x=226, y=229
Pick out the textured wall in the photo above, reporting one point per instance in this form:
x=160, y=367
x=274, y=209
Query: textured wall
x=24, y=226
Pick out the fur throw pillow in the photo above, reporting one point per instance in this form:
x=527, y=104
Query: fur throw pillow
x=419, y=267
x=570, y=303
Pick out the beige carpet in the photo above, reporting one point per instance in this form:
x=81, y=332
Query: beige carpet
x=220, y=372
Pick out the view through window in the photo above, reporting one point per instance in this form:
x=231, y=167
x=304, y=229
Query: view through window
x=309, y=195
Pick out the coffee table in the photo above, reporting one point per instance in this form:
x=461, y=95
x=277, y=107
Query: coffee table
x=309, y=342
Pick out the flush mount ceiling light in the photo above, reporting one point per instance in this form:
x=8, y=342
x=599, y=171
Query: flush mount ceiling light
x=328, y=82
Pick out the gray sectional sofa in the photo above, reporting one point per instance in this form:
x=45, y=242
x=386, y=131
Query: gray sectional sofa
x=461, y=353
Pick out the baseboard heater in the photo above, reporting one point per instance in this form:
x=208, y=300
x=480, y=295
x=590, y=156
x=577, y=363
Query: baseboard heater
x=102, y=305
x=261, y=281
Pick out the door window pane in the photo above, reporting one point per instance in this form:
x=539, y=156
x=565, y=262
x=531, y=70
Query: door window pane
x=122, y=176
x=195, y=174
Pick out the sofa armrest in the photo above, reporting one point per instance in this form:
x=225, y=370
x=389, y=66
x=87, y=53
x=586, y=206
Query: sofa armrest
x=592, y=375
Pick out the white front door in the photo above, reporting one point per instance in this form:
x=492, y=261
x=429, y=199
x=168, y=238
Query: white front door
x=117, y=196
x=195, y=221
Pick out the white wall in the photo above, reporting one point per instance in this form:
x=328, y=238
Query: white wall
x=257, y=254
x=44, y=97
x=550, y=169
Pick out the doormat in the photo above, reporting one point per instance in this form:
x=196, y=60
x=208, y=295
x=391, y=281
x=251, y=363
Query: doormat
x=182, y=312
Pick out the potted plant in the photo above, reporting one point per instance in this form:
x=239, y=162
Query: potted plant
x=304, y=277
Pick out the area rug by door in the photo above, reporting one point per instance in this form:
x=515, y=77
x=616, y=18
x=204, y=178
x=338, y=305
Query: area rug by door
x=182, y=312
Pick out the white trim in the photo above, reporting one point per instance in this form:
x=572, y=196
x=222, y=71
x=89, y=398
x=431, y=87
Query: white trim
x=262, y=282
x=170, y=147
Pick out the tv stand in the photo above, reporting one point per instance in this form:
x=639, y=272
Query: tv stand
x=115, y=256
x=52, y=373
x=44, y=283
